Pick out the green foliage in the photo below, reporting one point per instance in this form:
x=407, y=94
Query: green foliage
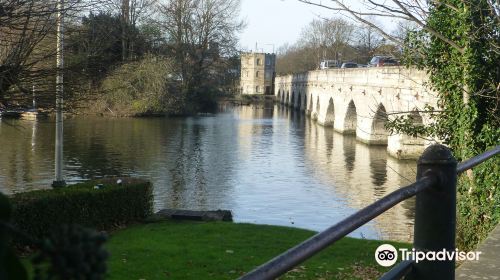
x=142, y=87
x=478, y=203
x=37, y=213
x=465, y=77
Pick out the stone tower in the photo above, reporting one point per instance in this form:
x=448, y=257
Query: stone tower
x=257, y=73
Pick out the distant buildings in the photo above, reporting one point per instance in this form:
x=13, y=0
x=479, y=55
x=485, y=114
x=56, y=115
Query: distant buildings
x=257, y=73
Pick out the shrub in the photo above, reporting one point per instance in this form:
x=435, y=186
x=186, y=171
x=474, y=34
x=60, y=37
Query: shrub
x=36, y=213
x=142, y=87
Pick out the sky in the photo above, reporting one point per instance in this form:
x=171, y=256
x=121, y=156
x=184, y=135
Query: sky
x=272, y=23
x=275, y=22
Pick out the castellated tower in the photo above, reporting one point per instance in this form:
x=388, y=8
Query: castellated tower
x=257, y=73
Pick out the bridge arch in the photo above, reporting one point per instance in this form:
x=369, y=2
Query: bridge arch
x=287, y=100
x=279, y=94
x=292, y=99
x=330, y=113
x=416, y=120
x=404, y=146
x=416, y=117
x=379, y=133
x=351, y=119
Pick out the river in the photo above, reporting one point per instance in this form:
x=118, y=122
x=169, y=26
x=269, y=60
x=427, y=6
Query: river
x=267, y=164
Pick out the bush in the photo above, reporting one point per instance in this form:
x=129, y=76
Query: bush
x=141, y=87
x=37, y=213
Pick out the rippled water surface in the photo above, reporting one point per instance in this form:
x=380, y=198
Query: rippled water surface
x=267, y=164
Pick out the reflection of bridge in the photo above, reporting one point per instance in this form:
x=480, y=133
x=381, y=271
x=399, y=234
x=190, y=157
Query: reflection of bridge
x=360, y=101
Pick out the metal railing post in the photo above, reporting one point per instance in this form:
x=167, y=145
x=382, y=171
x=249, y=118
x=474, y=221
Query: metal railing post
x=435, y=214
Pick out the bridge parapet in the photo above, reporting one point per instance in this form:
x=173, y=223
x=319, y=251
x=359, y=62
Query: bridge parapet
x=361, y=100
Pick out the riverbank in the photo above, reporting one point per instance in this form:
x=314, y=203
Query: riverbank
x=217, y=250
x=242, y=100
x=100, y=109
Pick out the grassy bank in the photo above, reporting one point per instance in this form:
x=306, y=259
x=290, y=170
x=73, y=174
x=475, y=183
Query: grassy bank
x=198, y=250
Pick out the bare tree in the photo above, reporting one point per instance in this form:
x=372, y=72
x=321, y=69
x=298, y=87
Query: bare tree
x=131, y=12
x=295, y=58
x=415, y=11
x=368, y=41
x=328, y=37
x=27, y=44
x=199, y=33
x=23, y=25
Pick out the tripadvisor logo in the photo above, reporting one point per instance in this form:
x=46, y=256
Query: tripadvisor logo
x=386, y=255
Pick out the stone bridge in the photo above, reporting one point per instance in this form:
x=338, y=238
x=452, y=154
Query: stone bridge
x=360, y=101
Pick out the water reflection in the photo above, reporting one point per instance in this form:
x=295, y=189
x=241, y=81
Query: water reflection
x=350, y=176
x=349, y=148
x=378, y=168
x=267, y=163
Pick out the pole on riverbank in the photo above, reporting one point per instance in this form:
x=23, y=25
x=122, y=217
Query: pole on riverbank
x=59, y=181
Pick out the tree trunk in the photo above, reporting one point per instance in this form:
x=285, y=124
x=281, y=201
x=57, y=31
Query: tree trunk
x=125, y=21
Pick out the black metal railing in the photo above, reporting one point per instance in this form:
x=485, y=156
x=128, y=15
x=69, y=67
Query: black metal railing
x=435, y=218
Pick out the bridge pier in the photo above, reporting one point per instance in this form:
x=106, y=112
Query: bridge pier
x=403, y=146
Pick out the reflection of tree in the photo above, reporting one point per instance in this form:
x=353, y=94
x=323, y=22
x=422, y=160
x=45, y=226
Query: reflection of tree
x=196, y=159
x=187, y=171
x=190, y=161
x=107, y=147
x=94, y=159
x=198, y=173
x=19, y=158
x=177, y=176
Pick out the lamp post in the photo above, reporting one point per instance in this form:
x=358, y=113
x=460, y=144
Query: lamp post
x=59, y=181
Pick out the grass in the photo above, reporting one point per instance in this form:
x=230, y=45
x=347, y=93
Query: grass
x=216, y=250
